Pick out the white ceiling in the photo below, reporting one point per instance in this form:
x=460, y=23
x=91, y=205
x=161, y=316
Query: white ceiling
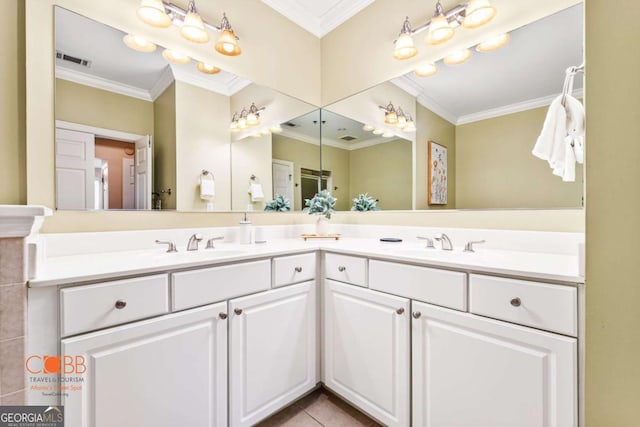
x=116, y=67
x=318, y=17
x=526, y=73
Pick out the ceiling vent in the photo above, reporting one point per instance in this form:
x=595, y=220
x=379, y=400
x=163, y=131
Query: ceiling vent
x=348, y=138
x=79, y=61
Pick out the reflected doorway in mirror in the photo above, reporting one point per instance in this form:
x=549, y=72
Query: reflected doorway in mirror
x=437, y=176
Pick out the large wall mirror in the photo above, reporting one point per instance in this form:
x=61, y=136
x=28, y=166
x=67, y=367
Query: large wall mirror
x=134, y=131
x=484, y=115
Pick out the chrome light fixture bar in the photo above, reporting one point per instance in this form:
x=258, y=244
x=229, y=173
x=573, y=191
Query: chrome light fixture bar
x=161, y=13
x=395, y=117
x=247, y=118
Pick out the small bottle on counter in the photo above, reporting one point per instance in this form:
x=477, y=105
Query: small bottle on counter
x=246, y=231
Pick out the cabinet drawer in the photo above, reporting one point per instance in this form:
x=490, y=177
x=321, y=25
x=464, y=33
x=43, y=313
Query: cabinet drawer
x=200, y=287
x=345, y=268
x=440, y=287
x=541, y=305
x=293, y=269
x=85, y=308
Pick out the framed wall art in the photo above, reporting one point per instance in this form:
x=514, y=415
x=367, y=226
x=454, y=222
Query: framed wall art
x=437, y=173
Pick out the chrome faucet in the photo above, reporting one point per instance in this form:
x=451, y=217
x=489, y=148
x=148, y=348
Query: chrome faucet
x=170, y=248
x=193, y=242
x=428, y=239
x=210, y=244
x=469, y=246
x=446, y=242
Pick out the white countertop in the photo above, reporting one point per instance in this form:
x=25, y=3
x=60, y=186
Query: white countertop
x=65, y=270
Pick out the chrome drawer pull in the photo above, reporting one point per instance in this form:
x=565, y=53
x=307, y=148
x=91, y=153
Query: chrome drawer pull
x=516, y=302
x=342, y=268
x=223, y=316
x=238, y=311
x=298, y=269
x=400, y=310
x=120, y=304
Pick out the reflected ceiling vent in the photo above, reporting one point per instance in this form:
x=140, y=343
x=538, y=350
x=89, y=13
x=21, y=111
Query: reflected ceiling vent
x=79, y=61
x=348, y=138
x=290, y=124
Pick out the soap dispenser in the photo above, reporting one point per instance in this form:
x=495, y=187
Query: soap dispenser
x=245, y=231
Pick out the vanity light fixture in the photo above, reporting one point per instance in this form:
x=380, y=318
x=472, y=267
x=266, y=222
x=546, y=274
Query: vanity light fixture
x=248, y=118
x=175, y=57
x=207, y=68
x=162, y=13
x=390, y=116
x=458, y=57
x=425, y=69
x=441, y=27
x=192, y=27
x=139, y=43
x=478, y=13
x=493, y=43
x=405, y=48
x=411, y=126
x=394, y=116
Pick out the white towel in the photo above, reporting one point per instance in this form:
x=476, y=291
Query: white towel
x=207, y=187
x=561, y=141
x=256, y=192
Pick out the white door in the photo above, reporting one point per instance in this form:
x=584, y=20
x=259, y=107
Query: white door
x=473, y=371
x=272, y=351
x=128, y=184
x=164, y=372
x=366, y=350
x=75, y=174
x=143, y=167
x=282, y=172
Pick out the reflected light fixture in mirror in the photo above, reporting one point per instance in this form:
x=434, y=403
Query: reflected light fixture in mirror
x=425, y=69
x=367, y=128
x=139, y=43
x=458, y=57
x=207, y=68
x=159, y=13
x=175, y=57
x=493, y=43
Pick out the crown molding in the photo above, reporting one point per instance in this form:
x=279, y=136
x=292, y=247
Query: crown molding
x=101, y=83
x=341, y=11
x=203, y=81
x=165, y=80
x=414, y=89
x=513, y=108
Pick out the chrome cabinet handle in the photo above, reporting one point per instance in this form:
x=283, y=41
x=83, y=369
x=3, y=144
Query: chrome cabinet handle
x=416, y=314
x=223, y=316
x=238, y=311
x=342, y=268
x=400, y=310
x=298, y=269
x=516, y=302
x=120, y=304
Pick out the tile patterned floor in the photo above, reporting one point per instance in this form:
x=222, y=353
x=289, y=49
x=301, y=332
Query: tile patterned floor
x=320, y=408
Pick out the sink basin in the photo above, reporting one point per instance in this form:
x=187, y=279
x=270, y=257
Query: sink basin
x=436, y=254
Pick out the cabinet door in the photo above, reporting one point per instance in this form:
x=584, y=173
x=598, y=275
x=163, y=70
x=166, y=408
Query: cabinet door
x=165, y=372
x=473, y=371
x=272, y=351
x=366, y=350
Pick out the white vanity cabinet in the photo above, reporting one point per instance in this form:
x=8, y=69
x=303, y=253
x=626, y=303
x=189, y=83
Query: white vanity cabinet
x=473, y=371
x=366, y=350
x=163, y=372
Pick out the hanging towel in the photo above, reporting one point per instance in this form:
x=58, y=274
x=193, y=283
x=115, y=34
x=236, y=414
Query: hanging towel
x=207, y=187
x=550, y=143
x=256, y=192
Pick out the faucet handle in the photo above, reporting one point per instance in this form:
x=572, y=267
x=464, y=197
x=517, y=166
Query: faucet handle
x=171, y=248
x=211, y=240
x=428, y=239
x=469, y=246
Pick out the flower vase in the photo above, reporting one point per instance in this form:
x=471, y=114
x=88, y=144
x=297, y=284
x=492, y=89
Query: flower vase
x=322, y=226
